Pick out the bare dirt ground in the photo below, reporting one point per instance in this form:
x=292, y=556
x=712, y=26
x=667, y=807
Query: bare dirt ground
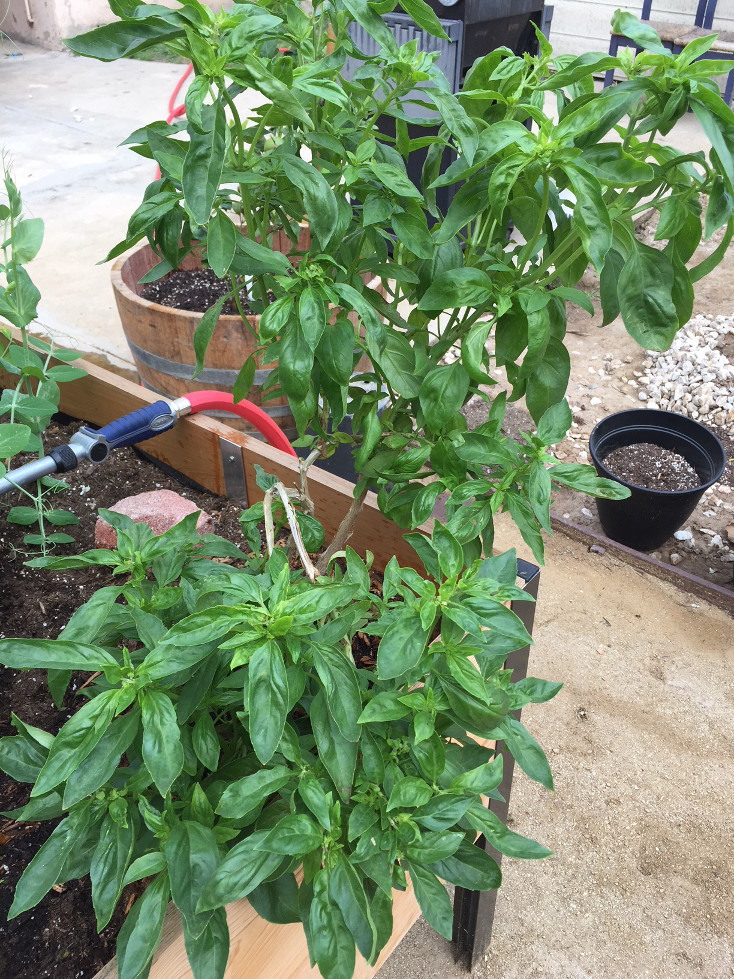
x=640, y=741
x=606, y=367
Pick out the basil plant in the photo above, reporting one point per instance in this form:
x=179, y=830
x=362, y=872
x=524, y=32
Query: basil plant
x=528, y=142
x=231, y=737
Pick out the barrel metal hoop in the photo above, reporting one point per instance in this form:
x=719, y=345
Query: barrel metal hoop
x=185, y=372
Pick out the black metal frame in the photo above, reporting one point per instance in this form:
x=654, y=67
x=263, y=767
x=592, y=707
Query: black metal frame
x=474, y=910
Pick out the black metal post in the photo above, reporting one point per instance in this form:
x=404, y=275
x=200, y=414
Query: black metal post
x=474, y=910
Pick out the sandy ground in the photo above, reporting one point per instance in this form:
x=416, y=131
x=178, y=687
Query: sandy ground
x=641, y=742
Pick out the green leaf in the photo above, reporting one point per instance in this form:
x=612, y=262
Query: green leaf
x=555, y=423
x=27, y=240
x=311, y=316
x=442, y=394
x=147, y=865
x=547, y=384
x=402, y=645
x=503, y=839
x=275, y=317
x=245, y=795
x=396, y=360
x=203, y=164
x=409, y=793
x=470, y=867
x=45, y=868
x=14, y=438
x=457, y=121
x=456, y=288
x=590, y=215
x=331, y=941
x=192, y=855
x=162, y=750
x=645, y=298
x=346, y=889
x=584, y=479
x=424, y=17
x=54, y=654
x=241, y=871
x=204, y=331
x=433, y=899
x=122, y=39
x=450, y=552
x=208, y=952
x=142, y=930
x=442, y=812
x=373, y=24
x=609, y=285
x=267, y=699
x=384, y=706
x=103, y=759
x=338, y=755
x=294, y=835
x=643, y=35
x=341, y=687
x=109, y=863
x=318, y=197
x=206, y=742
x=295, y=363
x=188, y=642
x=277, y=900
x=527, y=752
x=413, y=233
x=76, y=739
x=221, y=243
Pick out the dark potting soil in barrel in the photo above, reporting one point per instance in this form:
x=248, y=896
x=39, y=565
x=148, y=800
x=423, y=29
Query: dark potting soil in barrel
x=652, y=467
x=194, y=290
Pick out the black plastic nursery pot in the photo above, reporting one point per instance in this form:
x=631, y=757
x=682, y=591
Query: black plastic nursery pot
x=649, y=517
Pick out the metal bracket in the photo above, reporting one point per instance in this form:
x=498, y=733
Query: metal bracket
x=234, y=471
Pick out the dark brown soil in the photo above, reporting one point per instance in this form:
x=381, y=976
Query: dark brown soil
x=194, y=290
x=652, y=467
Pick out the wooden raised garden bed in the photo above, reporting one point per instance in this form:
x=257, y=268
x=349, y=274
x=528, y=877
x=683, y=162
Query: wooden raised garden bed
x=222, y=461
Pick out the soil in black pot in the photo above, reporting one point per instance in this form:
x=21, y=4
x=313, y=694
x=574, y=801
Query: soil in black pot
x=194, y=290
x=652, y=467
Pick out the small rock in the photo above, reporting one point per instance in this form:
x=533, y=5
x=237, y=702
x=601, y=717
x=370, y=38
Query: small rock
x=160, y=509
x=675, y=558
x=597, y=549
x=586, y=511
x=683, y=534
x=657, y=555
x=642, y=395
x=716, y=541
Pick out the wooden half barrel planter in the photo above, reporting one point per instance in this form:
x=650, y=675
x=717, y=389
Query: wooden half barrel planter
x=222, y=460
x=161, y=338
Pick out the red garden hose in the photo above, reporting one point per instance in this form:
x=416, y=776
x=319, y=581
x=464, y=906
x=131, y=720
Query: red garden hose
x=221, y=401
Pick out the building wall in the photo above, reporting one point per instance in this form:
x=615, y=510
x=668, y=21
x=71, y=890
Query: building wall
x=52, y=20
x=583, y=25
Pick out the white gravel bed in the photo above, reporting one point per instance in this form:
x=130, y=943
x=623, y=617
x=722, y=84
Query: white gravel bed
x=693, y=377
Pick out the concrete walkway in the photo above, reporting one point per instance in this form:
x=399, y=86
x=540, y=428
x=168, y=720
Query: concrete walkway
x=62, y=119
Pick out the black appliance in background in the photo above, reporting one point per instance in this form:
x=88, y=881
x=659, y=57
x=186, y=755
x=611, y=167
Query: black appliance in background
x=474, y=28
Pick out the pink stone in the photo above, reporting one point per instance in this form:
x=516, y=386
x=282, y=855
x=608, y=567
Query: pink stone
x=160, y=509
